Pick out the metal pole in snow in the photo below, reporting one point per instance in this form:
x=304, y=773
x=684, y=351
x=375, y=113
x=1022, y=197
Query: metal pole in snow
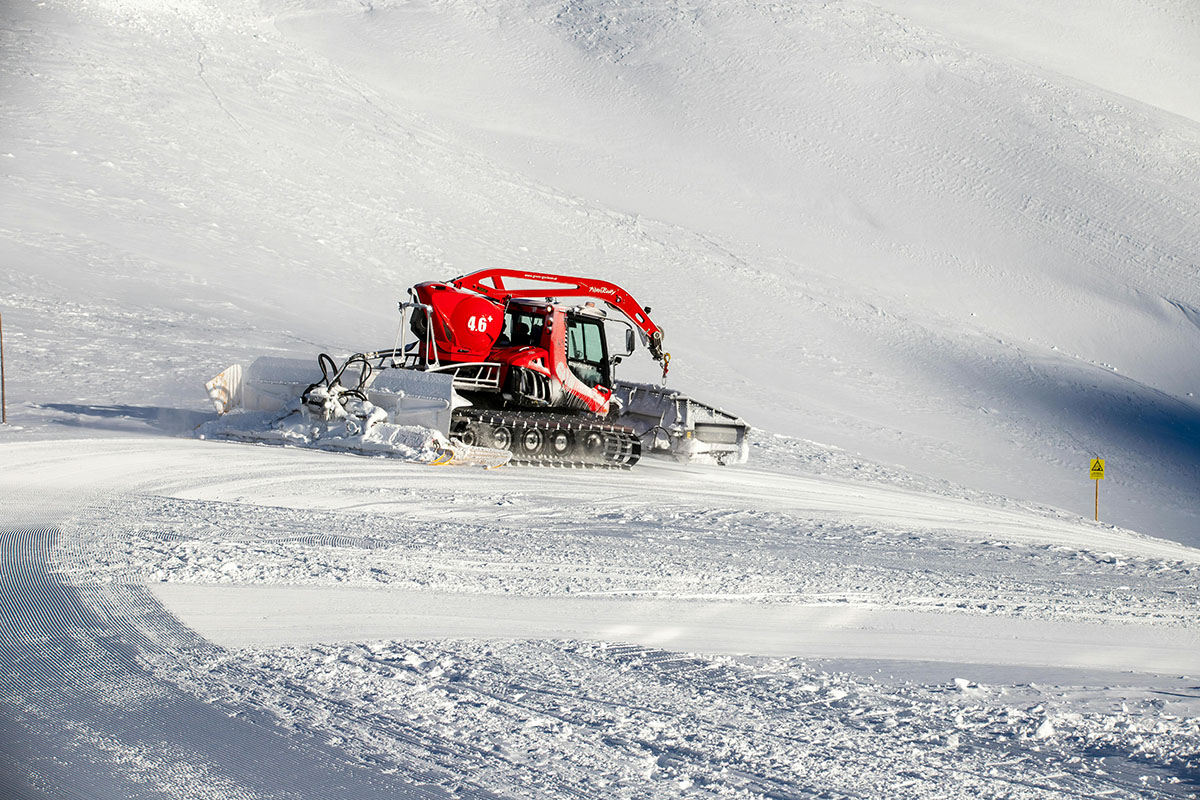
x=1097, y=500
x=3, y=398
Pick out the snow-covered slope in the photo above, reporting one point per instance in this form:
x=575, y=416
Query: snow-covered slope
x=955, y=243
x=1148, y=52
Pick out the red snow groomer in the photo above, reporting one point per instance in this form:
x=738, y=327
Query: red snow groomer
x=499, y=359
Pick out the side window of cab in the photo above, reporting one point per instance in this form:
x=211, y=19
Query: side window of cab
x=521, y=330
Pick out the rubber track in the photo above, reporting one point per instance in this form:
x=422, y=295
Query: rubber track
x=622, y=446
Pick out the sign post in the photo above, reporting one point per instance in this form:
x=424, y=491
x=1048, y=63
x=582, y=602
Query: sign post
x=1097, y=474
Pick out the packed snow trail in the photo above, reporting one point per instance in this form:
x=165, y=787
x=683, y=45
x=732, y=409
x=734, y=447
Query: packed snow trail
x=423, y=718
x=88, y=719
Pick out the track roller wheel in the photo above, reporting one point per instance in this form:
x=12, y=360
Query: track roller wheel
x=502, y=438
x=560, y=442
x=593, y=443
x=467, y=435
x=532, y=441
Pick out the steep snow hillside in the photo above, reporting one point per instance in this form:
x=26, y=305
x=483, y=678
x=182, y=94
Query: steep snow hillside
x=889, y=233
x=1148, y=52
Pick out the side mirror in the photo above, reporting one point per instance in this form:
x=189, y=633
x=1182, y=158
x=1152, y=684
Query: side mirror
x=629, y=341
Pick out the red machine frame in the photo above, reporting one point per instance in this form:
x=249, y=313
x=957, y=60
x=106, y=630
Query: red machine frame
x=465, y=317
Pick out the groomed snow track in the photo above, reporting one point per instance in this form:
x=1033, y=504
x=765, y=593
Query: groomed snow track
x=85, y=717
x=106, y=694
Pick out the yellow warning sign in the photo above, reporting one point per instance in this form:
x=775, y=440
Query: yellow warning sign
x=1097, y=469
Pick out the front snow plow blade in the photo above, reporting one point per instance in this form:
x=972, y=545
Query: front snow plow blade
x=269, y=384
x=394, y=412
x=672, y=424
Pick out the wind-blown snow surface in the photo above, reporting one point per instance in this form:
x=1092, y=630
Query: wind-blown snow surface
x=958, y=239
x=375, y=628
x=855, y=228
